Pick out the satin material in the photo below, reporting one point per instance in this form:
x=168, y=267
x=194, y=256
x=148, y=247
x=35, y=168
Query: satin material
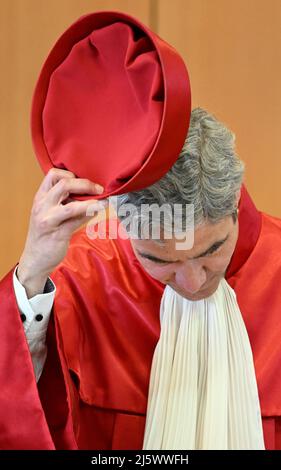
x=111, y=76
x=94, y=387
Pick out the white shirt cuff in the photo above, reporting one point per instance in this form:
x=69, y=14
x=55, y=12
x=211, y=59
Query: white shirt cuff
x=35, y=312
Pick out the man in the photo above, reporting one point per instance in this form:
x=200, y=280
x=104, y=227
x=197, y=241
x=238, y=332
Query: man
x=106, y=348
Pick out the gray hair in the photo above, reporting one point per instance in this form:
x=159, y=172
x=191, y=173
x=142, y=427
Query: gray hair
x=207, y=173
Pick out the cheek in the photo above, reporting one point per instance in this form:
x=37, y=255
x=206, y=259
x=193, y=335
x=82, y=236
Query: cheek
x=217, y=264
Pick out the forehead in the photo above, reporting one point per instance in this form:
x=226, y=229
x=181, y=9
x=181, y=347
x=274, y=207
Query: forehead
x=204, y=236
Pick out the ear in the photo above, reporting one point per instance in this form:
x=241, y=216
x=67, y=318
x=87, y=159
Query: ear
x=238, y=195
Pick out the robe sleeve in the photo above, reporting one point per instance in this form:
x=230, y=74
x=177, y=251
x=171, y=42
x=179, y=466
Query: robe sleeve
x=26, y=410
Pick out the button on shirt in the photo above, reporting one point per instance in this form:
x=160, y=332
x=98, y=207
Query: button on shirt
x=35, y=315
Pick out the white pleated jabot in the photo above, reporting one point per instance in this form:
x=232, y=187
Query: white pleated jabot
x=203, y=390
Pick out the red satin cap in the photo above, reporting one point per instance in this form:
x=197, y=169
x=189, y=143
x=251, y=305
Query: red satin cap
x=112, y=104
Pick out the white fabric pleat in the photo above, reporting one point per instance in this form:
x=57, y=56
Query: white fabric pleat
x=203, y=390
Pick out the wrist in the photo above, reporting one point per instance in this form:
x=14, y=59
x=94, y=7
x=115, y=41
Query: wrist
x=33, y=282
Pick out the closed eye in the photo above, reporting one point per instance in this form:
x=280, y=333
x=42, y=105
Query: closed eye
x=158, y=261
x=214, y=249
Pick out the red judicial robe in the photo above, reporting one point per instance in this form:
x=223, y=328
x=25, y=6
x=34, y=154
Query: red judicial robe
x=102, y=335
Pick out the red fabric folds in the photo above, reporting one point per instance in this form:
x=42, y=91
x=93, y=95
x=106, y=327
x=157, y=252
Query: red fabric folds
x=94, y=387
x=109, y=82
x=112, y=104
x=22, y=421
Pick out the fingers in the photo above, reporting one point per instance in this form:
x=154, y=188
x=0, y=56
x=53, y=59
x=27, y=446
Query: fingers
x=52, y=177
x=58, y=184
x=53, y=207
x=66, y=186
x=76, y=209
x=69, y=226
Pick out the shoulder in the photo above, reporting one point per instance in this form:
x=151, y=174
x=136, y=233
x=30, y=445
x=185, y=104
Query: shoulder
x=91, y=261
x=271, y=221
x=84, y=250
x=270, y=236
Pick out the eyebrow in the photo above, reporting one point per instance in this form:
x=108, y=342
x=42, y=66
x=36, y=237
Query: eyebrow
x=215, y=246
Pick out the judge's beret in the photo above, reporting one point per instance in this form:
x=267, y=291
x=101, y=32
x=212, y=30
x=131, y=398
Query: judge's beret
x=112, y=103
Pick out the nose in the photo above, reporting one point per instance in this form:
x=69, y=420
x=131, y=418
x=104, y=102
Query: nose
x=190, y=276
